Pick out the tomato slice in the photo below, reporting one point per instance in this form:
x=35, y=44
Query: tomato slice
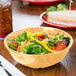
x=60, y=47
x=15, y=44
x=41, y=37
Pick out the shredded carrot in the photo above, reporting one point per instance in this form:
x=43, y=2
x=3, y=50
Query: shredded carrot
x=52, y=47
x=19, y=48
x=38, y=38
x=49, y=38
x=25, y=43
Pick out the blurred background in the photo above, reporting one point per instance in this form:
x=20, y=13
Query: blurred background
x=27, y=15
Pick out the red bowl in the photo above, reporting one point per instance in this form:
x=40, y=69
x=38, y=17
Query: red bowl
x=40, y=2
x=43, y=18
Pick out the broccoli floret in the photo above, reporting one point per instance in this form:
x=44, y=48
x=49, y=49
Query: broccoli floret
x=52, y=8
x=62, y=7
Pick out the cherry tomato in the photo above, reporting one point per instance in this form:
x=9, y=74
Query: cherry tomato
x=15, y=43
x=60, y=47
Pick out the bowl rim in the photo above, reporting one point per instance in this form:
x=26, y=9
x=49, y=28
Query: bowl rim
x=47, y=28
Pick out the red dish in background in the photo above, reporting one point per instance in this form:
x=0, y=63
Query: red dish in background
x=43, y=18
x=40, y=2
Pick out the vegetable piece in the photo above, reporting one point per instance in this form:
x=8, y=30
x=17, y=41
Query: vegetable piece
x=34, y=49
x=43, y=43
x=61, y=41
x=38, y=34
x=10, y=40
x=22, y=37
x=67, y=40
x=56, y=43
x=60, y=47
x=52, y=47
x=46, y=36
x=41, y=37
x=64, y=42
x=61, y=7
x=15, y=44
x=12, y=46
x=57, y=37
x=52, y=8
x=50, y=43
x=44, y=51
x=33, y=41
x=62, y=36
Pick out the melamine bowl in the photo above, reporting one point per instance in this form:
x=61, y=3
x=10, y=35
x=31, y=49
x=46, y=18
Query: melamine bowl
x=38, y=61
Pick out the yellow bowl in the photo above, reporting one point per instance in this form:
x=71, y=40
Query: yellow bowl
x=38, y=61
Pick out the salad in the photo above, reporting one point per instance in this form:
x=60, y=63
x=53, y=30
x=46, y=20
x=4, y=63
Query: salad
x=38, y=43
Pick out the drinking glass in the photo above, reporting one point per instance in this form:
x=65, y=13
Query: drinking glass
x=5, y=18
